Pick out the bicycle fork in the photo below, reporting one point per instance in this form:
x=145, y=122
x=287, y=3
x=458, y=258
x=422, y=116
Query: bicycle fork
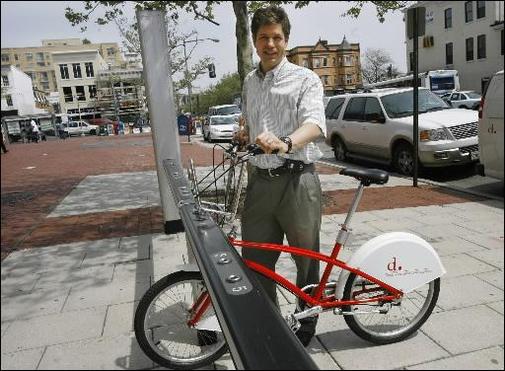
x=196, y=315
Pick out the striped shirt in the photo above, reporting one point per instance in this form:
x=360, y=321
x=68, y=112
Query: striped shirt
x=281, y=101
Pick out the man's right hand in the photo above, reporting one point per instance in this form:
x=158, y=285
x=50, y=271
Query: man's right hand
x=242, y=134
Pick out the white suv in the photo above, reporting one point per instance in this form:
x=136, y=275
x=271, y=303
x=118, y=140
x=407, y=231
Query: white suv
x=491, y=129
x=378, y=126
x=80, y=128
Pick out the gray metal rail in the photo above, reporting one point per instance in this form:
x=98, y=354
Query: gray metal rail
x=257, y=335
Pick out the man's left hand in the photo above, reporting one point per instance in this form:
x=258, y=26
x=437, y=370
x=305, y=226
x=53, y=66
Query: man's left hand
x=269, y=143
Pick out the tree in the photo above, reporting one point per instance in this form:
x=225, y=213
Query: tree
x=203, y=10
x=86, y=41
x=378, y=66
x=228, y=88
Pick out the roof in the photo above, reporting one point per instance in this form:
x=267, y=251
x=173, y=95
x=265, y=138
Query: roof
x=376, y=92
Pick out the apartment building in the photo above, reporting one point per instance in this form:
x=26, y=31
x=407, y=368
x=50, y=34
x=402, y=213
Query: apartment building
x=338, y=65
x=466, y=36
x=121, y=93
x=37, y=62
x=75, y=73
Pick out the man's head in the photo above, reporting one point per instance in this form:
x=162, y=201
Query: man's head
x=270, y=28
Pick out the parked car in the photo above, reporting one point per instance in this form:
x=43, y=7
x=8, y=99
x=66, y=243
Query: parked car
x=378, y=126
x=220, y=128
x=465, y=99
x=80, y=128
x=491, y=129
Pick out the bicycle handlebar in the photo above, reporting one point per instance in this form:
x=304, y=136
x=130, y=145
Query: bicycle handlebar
x=252, y=149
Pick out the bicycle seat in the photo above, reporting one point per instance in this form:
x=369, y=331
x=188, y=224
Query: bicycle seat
x=367, y=176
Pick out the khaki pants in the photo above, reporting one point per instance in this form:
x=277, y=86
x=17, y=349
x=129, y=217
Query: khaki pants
x=286, y=205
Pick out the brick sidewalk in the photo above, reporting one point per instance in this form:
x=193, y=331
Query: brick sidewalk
x=36, y=177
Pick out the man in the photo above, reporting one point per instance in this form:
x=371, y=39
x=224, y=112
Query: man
x=283, y=109
x=34, y=131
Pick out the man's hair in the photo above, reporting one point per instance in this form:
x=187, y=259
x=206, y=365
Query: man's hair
x=270, y=15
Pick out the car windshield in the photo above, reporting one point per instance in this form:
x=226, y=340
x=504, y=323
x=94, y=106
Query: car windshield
x=473, y=95
x=228, y=110
x=401, y=104
x=442, y=83
x=223, y=121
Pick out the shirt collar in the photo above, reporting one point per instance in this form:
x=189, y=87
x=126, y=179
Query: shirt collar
x=274, y=72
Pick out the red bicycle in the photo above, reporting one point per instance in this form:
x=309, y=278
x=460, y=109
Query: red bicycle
x=386, y=290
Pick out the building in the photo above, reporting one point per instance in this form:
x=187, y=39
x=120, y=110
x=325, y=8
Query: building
x=37, y=62
x=18, y=95
x=21, y=103
x=121, y=94
x=338, y=65
x=75, y=73
x=462, y=35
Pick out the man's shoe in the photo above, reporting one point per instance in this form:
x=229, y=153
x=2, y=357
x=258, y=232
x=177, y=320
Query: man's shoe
x=206, y=337
x=304, y=336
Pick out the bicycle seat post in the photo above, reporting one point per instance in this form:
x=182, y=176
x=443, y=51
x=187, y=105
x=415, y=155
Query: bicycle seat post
x=354, y=206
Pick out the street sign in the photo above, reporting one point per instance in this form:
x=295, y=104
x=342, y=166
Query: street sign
x=421, y=21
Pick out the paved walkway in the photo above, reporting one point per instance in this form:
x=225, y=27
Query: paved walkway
x=70, y=305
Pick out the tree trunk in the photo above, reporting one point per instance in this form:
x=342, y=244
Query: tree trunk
x=244, y=46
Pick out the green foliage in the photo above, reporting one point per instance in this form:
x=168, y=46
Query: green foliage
x=223, y=92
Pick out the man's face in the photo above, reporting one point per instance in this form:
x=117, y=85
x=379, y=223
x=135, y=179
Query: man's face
x=270, y=45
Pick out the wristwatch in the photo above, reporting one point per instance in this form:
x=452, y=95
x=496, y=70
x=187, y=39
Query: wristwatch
x=288, y=141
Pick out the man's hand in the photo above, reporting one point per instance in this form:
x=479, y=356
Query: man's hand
x=242, y=134
x=269, y=143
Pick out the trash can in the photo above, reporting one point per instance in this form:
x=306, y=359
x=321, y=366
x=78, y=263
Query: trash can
x=182, y=124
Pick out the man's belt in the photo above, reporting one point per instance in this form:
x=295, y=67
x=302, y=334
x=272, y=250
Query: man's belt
x=289, y=167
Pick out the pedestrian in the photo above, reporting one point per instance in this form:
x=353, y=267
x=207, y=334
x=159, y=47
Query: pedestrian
x=284, y=114
x=4, y=149
x=34, y=131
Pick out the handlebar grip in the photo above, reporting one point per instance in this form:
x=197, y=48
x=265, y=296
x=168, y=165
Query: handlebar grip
x=254, y=149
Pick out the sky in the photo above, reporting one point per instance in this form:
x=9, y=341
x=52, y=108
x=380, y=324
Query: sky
x=26, y=23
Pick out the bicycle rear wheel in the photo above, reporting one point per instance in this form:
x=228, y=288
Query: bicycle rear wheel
x=393, y=324
x=161, y=326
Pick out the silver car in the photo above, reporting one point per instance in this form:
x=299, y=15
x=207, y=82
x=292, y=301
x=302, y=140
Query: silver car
x=465, y=99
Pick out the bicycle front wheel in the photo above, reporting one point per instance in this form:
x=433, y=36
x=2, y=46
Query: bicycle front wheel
x=161, y=324
x=384, y=323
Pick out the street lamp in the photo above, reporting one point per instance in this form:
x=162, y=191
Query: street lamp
x=184, y=42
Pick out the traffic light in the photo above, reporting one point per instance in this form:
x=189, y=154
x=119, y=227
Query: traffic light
x=212, y=70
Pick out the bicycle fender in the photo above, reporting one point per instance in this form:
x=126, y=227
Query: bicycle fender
x=402, y=260
x=187, y=267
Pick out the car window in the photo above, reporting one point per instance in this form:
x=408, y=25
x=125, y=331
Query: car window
x=462, y=97
x=373, y=110
x=83, y=124
x=222, y=120
x=228, y=110
x=355, y=109
x=73, y=124
x=473, y=95
x=401, y=104
x=455, y=97
x=333, y=108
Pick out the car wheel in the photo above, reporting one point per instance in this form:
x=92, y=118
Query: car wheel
x=404, y=159
x=339, y=149
x=92, y=132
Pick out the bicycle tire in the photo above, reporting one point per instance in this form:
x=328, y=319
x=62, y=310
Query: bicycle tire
x=384, y=330
x=166, y=300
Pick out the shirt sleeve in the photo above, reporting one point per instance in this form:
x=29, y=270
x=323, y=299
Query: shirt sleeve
x=311, y=106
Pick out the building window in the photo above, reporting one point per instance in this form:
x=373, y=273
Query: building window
x=468, y=11
x=67, y=93
x=45, y=85
x=325, y=62
x=411, y=60
x=469, y=49
x=29, y=57
x=316, y=62
x=92, y=91
x=448, y=54
x=64, y=72
x=16, y=57
x=89, y=69
x=77, y=70
x=79, y=91
x=5, y=80
x=481, y=46
x=305, y=62
x=5, y=57
x=347, y=60
x=43, y=76
x=110, y=51
x=324, y=78
x=348, y=79
x=8, y=99
x=481, y=9
x=448, y=18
